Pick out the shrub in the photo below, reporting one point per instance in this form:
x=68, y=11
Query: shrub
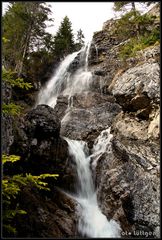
x=11, y=109
x=12, y=187
x=10, y=77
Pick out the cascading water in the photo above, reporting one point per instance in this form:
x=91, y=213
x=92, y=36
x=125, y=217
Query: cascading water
x=64, y=82
x=101, y=145
x=92, y=223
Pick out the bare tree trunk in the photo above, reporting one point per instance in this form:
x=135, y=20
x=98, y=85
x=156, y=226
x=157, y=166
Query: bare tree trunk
x=33, y=9
x=24, y=53
x=133, y=7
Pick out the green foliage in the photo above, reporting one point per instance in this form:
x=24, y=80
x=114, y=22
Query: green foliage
x=64, y=39
x=4, y=40
x=36, y=180
x=11, y=158
x=11, y=188
x=24, y=27
x=152, y=38
x=12, y=109
x=134, y=45
x=40, y=64
x=133, y=26
x=10, y=77
x=79, y=41
x=118, y=6
x=126, y=26
x=123, y=6
x=139, y=29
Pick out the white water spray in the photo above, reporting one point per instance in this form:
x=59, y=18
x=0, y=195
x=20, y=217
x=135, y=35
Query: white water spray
x=92, y=223
x=102, y=144
x=66, y=83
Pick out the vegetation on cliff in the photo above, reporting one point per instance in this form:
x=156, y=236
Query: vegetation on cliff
x=12, y=185
x=141, y=30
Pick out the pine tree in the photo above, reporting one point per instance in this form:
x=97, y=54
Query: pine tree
x=119, y=6
x=24, y=28
x=79, y=40
x=64, y=39
x=140, y=29
x=132, y=21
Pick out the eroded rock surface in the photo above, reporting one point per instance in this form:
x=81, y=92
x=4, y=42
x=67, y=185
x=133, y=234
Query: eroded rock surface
x=37, y=141
x=90, y=114
x=48, y=217
x=127, y=173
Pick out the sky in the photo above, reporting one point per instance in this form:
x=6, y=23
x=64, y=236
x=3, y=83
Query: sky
x=88, y=16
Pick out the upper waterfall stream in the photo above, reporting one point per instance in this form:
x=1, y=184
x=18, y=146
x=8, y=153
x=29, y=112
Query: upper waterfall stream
x=65, y=82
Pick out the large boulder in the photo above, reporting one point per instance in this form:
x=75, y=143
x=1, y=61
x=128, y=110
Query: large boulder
x=37, y=141
x=42, y=123
x=139, y=84
x=90, y=114
x=41, y=148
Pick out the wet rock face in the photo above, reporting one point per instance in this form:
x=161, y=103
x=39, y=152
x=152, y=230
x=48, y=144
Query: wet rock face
x=127, y=176
x=52, y=217
x=6, y=92
x=41, y=148
x=7, y=120
x=43, y=123
x=61, y=106
x=77, y=62
x=141, y=84
x=90, y=114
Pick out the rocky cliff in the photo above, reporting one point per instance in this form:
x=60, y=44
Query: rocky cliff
x=125, y=97
x=127, y=177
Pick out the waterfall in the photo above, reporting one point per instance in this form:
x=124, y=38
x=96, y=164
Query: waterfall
x=92, y=223
x=71, y=77
x=64, y=81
